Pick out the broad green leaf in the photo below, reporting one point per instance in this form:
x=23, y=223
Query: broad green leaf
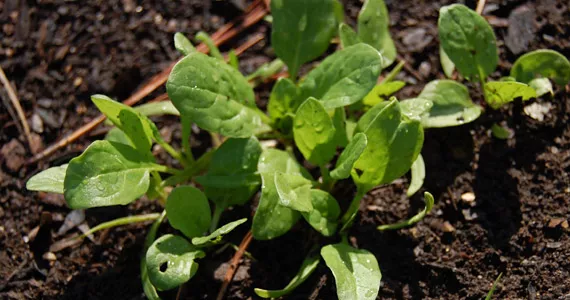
x=301, y=30
x=314, y=132
x=272, y=219
x=452, y=105
x=381, y=91
x=118, y=136
x=215, y=96
x=415, y=108
x=339, y=122
x=307, y=268
x=282, y=103
x=231, y=178
x=542, y=86
x=500, y=132
x=446, y=64
x=349, y=156
x=373, y=22
x=188, y=210
x=348, y=36
x=499, y=93
x=294, y=191
x=468, y=40
x=148, y=288
x=50, y=180
x=157, y=109
x=170, y=261
x=183, y=44
x=344, y=77
x=429, y=205
x=356, y=271
x=207, y=40
x=107, y=173
x=216, y=236
x=418, y=176
x=547, y=63
x=325, y=213
x=395, y=143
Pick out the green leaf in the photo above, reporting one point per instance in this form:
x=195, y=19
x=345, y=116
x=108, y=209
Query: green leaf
x=429, y=205
x=301, y=30
x=546, y=63
x=314, y=132
x=233, y=59
x=50, y=180
x=446, y=64
x=272, y=219
x=468, y=40
x=294, y=191
x=452, y=105
x=283, y=102
x=356, y=272
x=157, y=109
x=500, y=132
x=107, y=173
x=339, y=122
x=415, y=108
x=395, y=143
x=325, y=213
x=499, y=93
x=216, y=236
x=170, y=261
x=307, y=268
x=344, y=77
x=183, y=44
x=373, y=22
x=231, y=178
x=215, y=96
x=349, y=156
x=348, y=36
x=542, y=86
x=207, y=40
x=418, y=176
x=188, y=210
x=381, y=91
x=492, y=290
x=118, y=136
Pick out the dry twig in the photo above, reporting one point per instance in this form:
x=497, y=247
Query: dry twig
x=234, y=264
x=480, y=6
x=16, y=103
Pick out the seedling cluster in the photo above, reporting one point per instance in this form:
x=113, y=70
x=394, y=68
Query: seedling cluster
x=338, y=116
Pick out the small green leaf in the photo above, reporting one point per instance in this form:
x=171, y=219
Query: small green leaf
x=325, y=213
x=418, y=176
x=499, y=93
x=215, y=96
x=492, y=290
x=294, y=191
x=349, y=156
x=301, y=30
x=233, y=59
x=348, y=36
x=118, y=136
x=157, y=109
x=183, y=44
x=468, y=40
x=50, y=180
x=207, y=40
x=446, y=64
x=381, y=91
x=452, y=105
x=307, y=268
x=283, y=103
x=344, y=77
x=547, y=63
x=542, y=86
x=170, y=261
x=415, y=108
x=216, y=236
x=500, y=132
x=107, y=173
x=356, y=271
x=188, y=210
x=339, y=120
x=373, y=22
x=314, y=132
x=429, y=205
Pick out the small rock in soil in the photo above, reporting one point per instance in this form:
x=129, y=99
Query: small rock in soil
x=468, y=215
x=416, y=39
x=13, y=154
x=468, y=197
x=553, y=245
x=74, y=218
x=521, y=30
x=49, y=256
x=241, y=274
x=37, y=123
x=537, y=110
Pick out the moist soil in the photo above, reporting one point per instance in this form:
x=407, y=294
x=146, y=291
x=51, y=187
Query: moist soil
x=57, y=53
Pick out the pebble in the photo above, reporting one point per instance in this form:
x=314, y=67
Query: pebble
x=468, y=197
x=13, y=153
x=37, y=123
x=49, y=256
x=416, y=39
x=521, y=29
x=538, y=111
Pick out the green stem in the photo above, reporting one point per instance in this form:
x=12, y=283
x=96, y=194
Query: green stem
x=328, y=182
x=394, y=72
x=166, y=169
x=119, y=222
x=206, y=39
x=175, y=154
x=196, y=168
x=186, y=133
x=148, y=288
x=353, y=208
x=216, y=216
x=482, y=82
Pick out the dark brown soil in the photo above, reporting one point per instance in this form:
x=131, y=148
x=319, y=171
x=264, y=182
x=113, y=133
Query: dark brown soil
x=57, y=53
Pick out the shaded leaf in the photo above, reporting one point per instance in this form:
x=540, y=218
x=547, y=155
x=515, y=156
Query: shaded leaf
x=429, y=205
x=207, y=40
x=542, y=86
x=294, y=191
x=157, y=109
x=373, y=22
x=339, y=122
x=216, y=236
x=381, y=91
x=314, y=132
x=546, y=63
x=348, y=36
x=325, y=213
x=500, y=132
x=307, y=268
x=188, y=210
x=418, y=176
x=49, y=180
x=283, y=103
x=349, y=156
x=499, y=93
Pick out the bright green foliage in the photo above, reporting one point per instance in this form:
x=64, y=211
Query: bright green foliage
x=188, y=210
x=415, y=108
x=50, y=180
x=381, y=91
x=356, y=272
x=348, y=36
x=207, y=40
x=107, y=173
x=349, y=156
x=429, y=205
x=301, y=30
x=373, y=22
x=546, y=63
x=182, y=44
x=339, y=120
x=215, y=96
x=118, y=136
x=157, y=109
x=499, y=93
x=272, y=219
x=314, y=132
x=283, y=103
x=233, y=59
x=216, y=236
x=325, y=213
x=395, y=143
x=446, y=64
x=170, y=261
x=344, y=77
x=418, y=176
x=468, y=40
x=307, y=268
x=542, y=86
x=500, y=132
x=294, y=191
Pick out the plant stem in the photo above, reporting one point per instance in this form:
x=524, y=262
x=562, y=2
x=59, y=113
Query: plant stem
x=148, y=288
x=186, y=133
x=196, y=168
x=216, y=216
x=328, y=182
x=166, y=169
x=121, y=221
x=482, y=82
x=394, y=72
x=353, y=208
x=175, y=154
